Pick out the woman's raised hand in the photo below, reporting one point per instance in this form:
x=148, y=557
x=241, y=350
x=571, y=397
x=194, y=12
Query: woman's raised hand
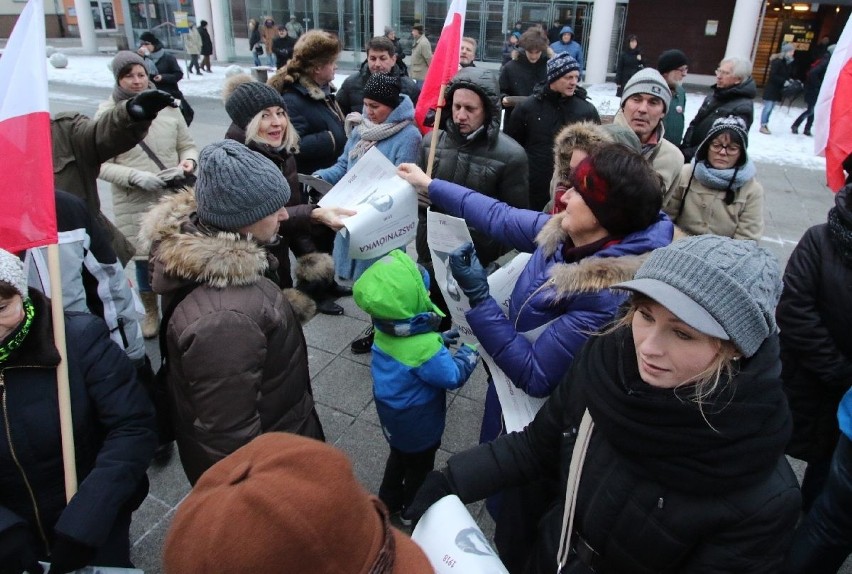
x=331, y=217
x=412, y=173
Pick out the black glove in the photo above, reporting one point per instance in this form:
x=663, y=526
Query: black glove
x=469, y=274
x=68, y=555
x=17, y=552
x=146, y=105
x=434, y=488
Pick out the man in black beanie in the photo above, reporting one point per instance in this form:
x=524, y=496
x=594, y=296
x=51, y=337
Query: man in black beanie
x=237, y=359
x=673, y=65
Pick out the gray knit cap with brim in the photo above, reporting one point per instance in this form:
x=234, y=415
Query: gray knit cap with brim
x=726, y=288
x=237, y=186
x=12, y=272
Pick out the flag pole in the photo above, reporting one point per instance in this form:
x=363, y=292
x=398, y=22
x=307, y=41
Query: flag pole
x=63, y=389
x=436, y=131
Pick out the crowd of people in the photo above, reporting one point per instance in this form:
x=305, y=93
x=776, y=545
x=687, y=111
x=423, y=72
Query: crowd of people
x=677, y=363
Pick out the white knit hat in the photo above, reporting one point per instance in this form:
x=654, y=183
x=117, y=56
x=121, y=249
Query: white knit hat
x=12, y=272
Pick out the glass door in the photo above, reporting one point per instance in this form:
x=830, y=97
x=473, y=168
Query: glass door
x=533, y=13
x=493, y=33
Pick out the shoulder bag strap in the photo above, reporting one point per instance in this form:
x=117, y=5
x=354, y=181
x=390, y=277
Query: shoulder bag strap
x=152, y=155
x=575, y=470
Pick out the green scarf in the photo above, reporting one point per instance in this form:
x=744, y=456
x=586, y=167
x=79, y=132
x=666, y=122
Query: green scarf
x=17, y=337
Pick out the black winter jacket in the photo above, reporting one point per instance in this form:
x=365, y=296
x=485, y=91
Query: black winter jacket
x=206, y=42
x=816, y=75
x=489, y=162
x=629, y=63
x=519, y=77
x=660, y=491
x=113, y=433
x=350, y=97
x=738, y=100
x=780, y=70
x=814, y=315
x=534, y=125
x=170, y=74
x=317, y=118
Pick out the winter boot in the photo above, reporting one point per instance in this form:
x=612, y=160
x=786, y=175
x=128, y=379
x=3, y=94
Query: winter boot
x=151, y=321
x=795, y=129
x=315, y=278
x=764, y=129
x=807, y=132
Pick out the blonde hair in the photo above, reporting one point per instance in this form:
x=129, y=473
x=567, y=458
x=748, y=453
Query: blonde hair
x=291, y=136
x=708, y=382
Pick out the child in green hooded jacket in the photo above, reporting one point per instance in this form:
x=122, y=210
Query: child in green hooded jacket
x=411, y=368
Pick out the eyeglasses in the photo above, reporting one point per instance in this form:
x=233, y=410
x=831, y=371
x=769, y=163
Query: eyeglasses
x=730, y=148
x=721, y=72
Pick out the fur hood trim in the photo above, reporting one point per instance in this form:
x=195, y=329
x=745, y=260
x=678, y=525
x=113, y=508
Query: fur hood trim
x=586, y=136
x=551, y=235
x=285, y=79
x=313, y=48
x=303, y=306
x=219, y=260
x=594, y=273
x=315, y=268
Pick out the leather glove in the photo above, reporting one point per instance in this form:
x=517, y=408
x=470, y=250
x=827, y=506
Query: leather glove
x=17, y=552
x=68, y=555
x=435, y=487
x=469, y=274
x=450, y=337
x=146, y=105
x=146, y=180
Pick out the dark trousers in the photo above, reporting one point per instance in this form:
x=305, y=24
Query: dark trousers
x=193, y=63
x=808, y=115
x=813, y=482
x=205, y=62
x=824, y=538
x=404, y=475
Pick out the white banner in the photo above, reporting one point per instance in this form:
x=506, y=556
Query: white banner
x=445, y=235
x=453, y=542
x=386, y=206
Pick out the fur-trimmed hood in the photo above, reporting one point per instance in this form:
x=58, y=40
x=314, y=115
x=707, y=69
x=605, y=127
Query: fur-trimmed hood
x=588, y=274
x=182, y=253
x=284, y=80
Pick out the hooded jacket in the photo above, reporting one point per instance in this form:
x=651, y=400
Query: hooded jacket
x=814, y=315
x=350, y=96
x=698, y=209
x=488, y=160
x=114, y=436
x=572, y=47
x=534, y=124
x=661, y=490
x=519, y=77
x=315, y=115
x=736, y=100
x=170, y=140
x=411, y=367
x=572, y=300
x=238, y=363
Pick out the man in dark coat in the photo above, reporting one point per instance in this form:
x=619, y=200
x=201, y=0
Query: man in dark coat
x=381, y=59
x=781, y=69
x=733, y=95
x=206, y=46
x=629, y=63
x=518, y=77
x=390, y=34
x=813, y=83
x=282, y=47
x=554, y=104
x=168, y=71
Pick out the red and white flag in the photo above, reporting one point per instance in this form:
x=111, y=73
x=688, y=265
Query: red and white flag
x=833, y=112
x=445, y=62
x=27, y=208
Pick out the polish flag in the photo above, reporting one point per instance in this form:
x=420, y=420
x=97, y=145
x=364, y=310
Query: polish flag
x=27, y=208
x=445, y=62
x=833, y=112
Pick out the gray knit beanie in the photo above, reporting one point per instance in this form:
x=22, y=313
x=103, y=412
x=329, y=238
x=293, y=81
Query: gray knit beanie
x=726, y=288
x=237, y=186
x=123, y=59
x=249, y=99
x=12, y=272
x=647, y=81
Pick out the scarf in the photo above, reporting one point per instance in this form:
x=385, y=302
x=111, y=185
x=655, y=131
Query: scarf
x=428, y=322
x=572, y=254
x=371, y=133
x=16, y=338
x=728, y=180
x=119, y=94
x=665, y=433
x=840, y=235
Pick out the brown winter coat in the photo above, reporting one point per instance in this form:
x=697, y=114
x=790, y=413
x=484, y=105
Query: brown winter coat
x=238, y=358
x=81, y=145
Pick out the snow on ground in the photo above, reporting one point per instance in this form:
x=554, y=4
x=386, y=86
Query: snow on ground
x=782, y=147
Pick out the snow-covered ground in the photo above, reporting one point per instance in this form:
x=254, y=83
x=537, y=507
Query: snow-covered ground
x=782, y=147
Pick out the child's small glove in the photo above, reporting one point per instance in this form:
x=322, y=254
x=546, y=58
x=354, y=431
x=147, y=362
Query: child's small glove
x=469, y=354
x=450, y=337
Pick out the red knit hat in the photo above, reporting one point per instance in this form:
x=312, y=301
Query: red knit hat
x=285, y=503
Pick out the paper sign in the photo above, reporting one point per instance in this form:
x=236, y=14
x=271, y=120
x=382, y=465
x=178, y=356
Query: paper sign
x=453, y=542
x=445, y=235
x=386, y=206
